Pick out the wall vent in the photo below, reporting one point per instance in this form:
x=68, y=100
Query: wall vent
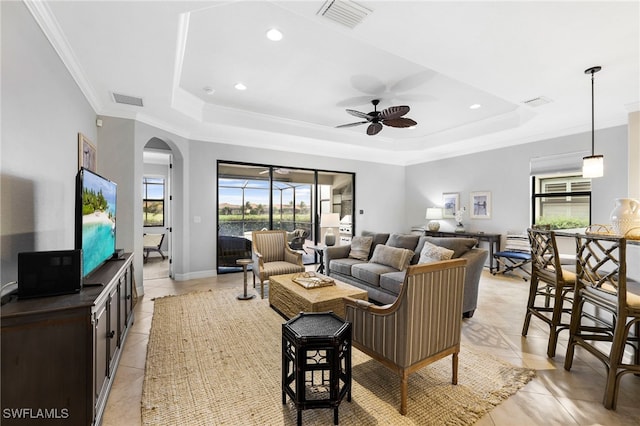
x=536, y=102
x=344, y=12
x=126, y=99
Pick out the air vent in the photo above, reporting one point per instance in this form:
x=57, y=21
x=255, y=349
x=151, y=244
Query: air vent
x=536, y=102
x=128, y=100
x=344, y=12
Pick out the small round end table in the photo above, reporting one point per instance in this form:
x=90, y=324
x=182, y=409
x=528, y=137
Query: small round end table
x=244, y=263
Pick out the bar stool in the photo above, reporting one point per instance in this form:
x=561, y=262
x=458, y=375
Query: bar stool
x=602, y=283
x=550, y=281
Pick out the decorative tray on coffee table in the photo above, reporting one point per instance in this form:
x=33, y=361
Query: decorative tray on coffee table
x=312, y=280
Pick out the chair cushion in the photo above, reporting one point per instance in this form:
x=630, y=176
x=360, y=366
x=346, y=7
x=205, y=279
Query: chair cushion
x=406, y=241
x=370, y=272
x=459, y=245
x=397, y=258
x=392, y=281
x=360, y=247
x=279, y=268
x=432, y=253
x=343, y=266
x=633, y=293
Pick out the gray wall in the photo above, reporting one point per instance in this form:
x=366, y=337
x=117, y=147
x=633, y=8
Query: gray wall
x=505, y=172
x=42, y=112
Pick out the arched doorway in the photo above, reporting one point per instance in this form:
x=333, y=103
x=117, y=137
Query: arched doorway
x=157, y=210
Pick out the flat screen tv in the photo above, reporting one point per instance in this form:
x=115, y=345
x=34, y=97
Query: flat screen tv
x=95, y=231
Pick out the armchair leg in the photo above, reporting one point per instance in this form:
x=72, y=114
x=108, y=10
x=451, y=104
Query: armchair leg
x=262, y=289
x=454, y=368
x=404, y=389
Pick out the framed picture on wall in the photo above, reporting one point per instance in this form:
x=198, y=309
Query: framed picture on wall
x=450, y=204
x=87, y=153
x=480, y=203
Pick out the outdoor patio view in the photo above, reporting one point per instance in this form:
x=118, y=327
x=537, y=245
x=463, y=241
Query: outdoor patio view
x=243, y=206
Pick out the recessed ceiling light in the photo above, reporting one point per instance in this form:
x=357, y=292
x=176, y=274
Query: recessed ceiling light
x=475, y=106
x=208, y=90
x=274, y=34
x=240, y=86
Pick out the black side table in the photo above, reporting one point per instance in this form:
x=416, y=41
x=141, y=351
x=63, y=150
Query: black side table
x=319, y=250
x=316, y=361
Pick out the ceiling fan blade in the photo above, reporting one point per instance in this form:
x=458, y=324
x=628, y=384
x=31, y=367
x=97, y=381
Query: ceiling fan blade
x=374, y=129
x=400, y=122
x=359, y=114
x=352, y=124
x=394, y=112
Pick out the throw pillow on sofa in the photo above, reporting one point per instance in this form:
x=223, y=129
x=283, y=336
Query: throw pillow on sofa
x=397, y=258
x=360, y=247
x=459, y=245
x=432, y=253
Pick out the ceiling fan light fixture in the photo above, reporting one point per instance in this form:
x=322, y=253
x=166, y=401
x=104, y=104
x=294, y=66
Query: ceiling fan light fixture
x=274, y=34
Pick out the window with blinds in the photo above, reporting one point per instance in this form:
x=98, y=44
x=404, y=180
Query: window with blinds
x=561, y=201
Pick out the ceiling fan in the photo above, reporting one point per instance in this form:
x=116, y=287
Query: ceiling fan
x=392, y=116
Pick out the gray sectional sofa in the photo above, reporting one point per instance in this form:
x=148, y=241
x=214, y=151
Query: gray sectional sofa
x=383, y=281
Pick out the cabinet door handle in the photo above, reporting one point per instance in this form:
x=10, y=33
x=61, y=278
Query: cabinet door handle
x=128, y=296
x=110, y=335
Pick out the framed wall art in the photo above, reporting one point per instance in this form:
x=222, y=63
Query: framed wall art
x=87, y=153
x=450, y=204
x=480, y=203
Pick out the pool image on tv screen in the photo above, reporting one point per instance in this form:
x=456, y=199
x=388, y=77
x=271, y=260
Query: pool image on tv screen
x=98, y=220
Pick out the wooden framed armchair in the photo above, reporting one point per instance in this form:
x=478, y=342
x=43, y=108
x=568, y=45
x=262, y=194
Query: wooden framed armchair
x=422, y=326
x=273, y=256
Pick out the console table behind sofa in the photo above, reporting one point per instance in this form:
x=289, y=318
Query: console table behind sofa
x=492, y=239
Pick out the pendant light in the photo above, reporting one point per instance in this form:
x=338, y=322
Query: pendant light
x=593, y=165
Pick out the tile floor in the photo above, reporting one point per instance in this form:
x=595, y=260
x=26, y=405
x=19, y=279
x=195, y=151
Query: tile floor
x=554, y=397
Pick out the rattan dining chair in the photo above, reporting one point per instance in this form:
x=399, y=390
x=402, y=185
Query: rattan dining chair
x=602, y=283
x=551, y=282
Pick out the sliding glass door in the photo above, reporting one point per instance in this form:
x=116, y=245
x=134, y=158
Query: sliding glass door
x=254, y=197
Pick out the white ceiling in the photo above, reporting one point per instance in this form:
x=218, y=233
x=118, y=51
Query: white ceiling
x=437, y=57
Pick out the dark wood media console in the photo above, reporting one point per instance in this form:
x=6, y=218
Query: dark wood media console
x=59, y=354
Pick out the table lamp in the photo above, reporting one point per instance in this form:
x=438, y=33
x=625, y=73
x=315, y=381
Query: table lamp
x=329, y=221
x=433, y=214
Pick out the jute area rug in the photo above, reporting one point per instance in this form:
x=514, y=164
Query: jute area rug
x=215, y=360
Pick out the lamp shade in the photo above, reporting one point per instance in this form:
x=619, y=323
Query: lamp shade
x=329, y=220
x=593, y=166
x=434, y=213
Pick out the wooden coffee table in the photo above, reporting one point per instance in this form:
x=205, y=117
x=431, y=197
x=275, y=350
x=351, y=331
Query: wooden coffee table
x=290, y=298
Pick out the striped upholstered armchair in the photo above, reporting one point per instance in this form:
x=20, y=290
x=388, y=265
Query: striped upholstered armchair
x=272, y=256
x=422, y=326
